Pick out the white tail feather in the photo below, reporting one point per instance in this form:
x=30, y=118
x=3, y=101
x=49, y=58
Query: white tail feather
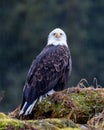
x=30, y=108
x=22, y=111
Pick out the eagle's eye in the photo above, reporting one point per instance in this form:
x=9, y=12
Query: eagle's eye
x=54, y=34
x=61, y=34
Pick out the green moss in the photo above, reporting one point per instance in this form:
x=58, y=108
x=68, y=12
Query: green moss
x=79, y=105
x=70, y=129
x=88, y=102
x=54, y=124
x=3, y=116
x=6, y=121
x=53, y=107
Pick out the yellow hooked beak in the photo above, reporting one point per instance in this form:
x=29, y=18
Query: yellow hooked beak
x=57, y=35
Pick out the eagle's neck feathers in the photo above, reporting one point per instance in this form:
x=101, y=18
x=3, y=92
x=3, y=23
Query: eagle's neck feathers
x=57, y=42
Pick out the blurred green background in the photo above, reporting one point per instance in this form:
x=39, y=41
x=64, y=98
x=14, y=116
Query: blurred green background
x=24, y=27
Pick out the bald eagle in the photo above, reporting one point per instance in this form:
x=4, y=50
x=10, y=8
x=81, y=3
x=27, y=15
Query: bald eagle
x=49, y=71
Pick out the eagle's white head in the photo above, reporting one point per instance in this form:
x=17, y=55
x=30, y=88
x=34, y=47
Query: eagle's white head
x=57, y=37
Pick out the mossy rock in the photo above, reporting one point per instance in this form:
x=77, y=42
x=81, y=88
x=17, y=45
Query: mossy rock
x=7, y=123
x=77, y=104
x=55, y=112
x=97, y=121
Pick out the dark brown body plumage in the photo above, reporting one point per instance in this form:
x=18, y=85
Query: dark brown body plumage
x=50, y=70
